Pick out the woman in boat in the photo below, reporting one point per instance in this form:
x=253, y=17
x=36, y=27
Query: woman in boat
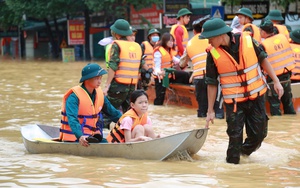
x=82, y=106
x=164, y=59
x=134, y=125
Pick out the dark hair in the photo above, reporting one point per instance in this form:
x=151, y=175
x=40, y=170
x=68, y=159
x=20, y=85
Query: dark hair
x=197, y=28
x=165, y=39
x=136, y=94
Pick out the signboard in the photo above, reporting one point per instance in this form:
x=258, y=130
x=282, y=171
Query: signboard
x=168, y=20
x=217, y=12
x=75, y=32
x=260, y=9
x=173, y=6
x=68, y=54
x=146, y=16
x=10, y=32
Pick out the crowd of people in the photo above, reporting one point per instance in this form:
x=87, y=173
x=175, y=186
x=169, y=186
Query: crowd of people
x=238, y=67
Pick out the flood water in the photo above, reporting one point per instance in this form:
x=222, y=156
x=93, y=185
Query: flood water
x=31, y=92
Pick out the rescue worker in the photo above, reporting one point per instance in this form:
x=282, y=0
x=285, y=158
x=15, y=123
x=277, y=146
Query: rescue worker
x=295, y=44
x=82, y=107
x=246, y=19
x=148, y=46
x=179, y=31
x=280, y=56
x=107, y=43
x=125, y=62
x=164, y=56
x=147, y=50
x=276, y=17
x=196, y=52
x=237, y=60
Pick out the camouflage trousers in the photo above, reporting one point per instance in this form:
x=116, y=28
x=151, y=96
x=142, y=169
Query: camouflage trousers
x=286, y=99
x=252, y=114
x=120, y=100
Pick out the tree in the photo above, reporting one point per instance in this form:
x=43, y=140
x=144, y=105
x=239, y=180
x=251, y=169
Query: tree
x=46, y=11
x=12, y=12
x=8, y=17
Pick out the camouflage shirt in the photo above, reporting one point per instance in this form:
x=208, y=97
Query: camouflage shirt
x=114, y=65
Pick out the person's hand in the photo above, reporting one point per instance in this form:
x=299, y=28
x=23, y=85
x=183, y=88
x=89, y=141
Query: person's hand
x=161, y=73
x=278, y=89
x=209, y=117
x=83, y=141
x=191, y=79
x=106, y=88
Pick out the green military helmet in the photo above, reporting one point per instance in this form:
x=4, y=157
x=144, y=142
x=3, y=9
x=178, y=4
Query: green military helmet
x=151, y=31
x=267, y=25
x=295, y=36
x=182, y=12
x=213, y=28
x=275, y=15
x=246, y=12
x=91, y=70
x=134, y=30
x=121, y=27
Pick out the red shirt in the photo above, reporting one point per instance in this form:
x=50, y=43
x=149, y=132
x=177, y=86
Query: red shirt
x=179, y=38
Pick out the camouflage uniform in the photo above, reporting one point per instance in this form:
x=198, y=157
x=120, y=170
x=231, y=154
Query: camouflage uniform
x=118, y=94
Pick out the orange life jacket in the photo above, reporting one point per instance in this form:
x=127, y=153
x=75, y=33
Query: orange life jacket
x=166, y=57
x=283, y=30
x=239, y=81
x=117, y=134
x=280, y=53
x=130, y=60
x=88, y=113
x=296, y=70
x=185, y=37
x=256, y=32
x=149, y=53
x=196, y=50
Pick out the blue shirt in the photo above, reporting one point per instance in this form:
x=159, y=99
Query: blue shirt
x=72, y=105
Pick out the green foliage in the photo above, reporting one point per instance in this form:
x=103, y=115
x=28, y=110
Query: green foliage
x=41, y=9
x=8, y=17
x=12, y=11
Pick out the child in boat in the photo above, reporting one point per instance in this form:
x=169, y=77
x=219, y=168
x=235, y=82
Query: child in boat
x=134, y=125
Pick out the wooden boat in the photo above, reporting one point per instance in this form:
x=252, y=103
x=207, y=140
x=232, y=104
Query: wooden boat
x=39, y=139
x=184, y=95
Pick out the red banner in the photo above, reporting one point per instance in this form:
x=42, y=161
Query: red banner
x=151, y=14
x=75, y=32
